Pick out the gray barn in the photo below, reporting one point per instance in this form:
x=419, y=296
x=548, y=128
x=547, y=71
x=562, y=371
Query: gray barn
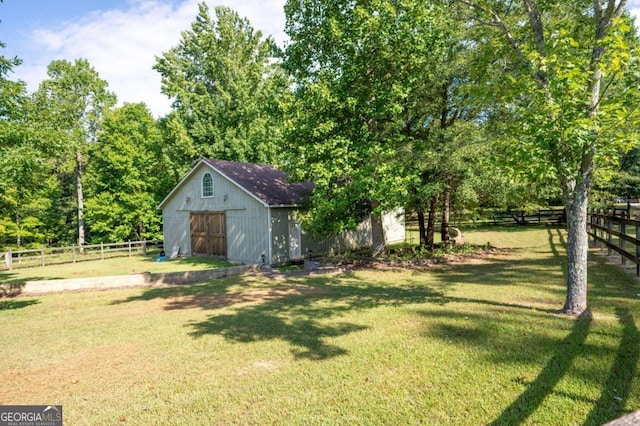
x=246, y=212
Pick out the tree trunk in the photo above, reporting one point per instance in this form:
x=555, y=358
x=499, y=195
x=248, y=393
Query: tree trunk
x=577, y=250
x=422, y=228
x=80, y=200
x=446, y=209
x=378, y=244
x=19, y=230
x=577, y=193
x=431, y=224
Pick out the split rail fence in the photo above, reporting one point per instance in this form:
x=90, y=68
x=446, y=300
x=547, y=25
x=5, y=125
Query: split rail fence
x=615, y=231
x=11, y=259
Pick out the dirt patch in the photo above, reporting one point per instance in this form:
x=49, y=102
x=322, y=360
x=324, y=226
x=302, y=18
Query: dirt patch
x=386, y=264
x=59, y=378
x=251, y=297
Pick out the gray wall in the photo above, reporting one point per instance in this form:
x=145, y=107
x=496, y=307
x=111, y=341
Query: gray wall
x=247, y=219
x=280, y=235
x=248, y=223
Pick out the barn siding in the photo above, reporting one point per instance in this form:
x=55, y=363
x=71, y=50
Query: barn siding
x=394, y=226
x=250, y=223
x=247, y=219
x=350, y=240
x=394, y=230
x=247, y=234
x=280, y=235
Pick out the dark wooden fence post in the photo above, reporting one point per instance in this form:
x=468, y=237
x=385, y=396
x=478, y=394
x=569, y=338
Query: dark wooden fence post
x=622, y=241
x=637, y=245
x=593, y=220
x=609, y=229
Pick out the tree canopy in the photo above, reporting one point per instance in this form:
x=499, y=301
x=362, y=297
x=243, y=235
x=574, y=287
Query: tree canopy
x=565, y=80
x=227, y=87
x=358, y=70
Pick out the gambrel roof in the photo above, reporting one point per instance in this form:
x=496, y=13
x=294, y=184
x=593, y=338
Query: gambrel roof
x=268, y=184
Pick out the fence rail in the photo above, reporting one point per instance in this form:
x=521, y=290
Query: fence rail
x=539, y=216
x=513, y=217
x=617, y=233
x=72, y=254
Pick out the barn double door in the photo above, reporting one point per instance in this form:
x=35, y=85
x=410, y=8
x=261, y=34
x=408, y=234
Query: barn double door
x=208, y=234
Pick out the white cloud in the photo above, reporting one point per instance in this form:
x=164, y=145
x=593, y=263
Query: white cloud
x=122, y=44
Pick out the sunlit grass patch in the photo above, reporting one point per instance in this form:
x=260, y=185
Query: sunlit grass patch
x=111, y=266
x=460, y=343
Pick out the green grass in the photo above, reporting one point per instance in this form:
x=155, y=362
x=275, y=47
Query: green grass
x=111, y=266
x=464, y=344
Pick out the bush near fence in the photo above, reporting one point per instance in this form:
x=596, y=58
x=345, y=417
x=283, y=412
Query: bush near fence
x=11, y=259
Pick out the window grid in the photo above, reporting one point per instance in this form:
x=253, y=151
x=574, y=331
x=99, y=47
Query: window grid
x=207, y=185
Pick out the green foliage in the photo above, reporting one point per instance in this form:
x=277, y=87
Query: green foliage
x=24, y=172
x=126, y=177
x=546, y=97
x=227, y=87
x=566, y=89
x=71, y=103
x=68, y=108
x=623, y=183
x=356, y=66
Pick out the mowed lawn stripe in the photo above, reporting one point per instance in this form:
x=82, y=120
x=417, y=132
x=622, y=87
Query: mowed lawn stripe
x=474, y=341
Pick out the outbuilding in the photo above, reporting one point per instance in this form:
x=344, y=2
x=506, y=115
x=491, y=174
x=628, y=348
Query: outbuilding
x=246, y=212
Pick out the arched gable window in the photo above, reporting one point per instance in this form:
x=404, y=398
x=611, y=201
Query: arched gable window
x=207, y=185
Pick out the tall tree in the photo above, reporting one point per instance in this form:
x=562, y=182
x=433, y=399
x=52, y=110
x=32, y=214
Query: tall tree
x=440, y=122
x=563, y=63
x=126, y=177
x=72, y=102
x=227, y=87
x=23, y=167
x=355, y=66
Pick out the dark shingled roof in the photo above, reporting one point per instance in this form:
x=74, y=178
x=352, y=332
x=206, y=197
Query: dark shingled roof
x=265, y=182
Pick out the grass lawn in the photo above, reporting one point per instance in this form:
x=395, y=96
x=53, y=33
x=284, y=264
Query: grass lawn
x=468, y=344
x=111, y=266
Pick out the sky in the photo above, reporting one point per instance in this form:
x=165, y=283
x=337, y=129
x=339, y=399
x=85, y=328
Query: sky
x=120, y=38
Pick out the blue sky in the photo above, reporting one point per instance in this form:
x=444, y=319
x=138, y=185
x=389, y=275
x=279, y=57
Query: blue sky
x=119, y=38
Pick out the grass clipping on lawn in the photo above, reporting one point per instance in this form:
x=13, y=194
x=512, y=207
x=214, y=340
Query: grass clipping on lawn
x=458, y=343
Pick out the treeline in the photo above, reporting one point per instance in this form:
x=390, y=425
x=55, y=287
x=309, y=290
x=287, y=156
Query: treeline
x=425, y=106
x=74, y=168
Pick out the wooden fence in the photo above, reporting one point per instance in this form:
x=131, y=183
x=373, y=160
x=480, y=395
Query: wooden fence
x=618, y=233
x=538, y=216
x=56, y=255
x=514, y=217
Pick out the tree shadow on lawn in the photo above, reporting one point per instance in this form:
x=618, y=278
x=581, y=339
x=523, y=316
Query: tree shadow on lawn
x=10, y=304
x=293, y=309
x=184, y=296
x=298, y=318
x=617, y=388
x=505, y=338
x=541, y=274
x=555, y=369
x=11, y=285
x=557, y=248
